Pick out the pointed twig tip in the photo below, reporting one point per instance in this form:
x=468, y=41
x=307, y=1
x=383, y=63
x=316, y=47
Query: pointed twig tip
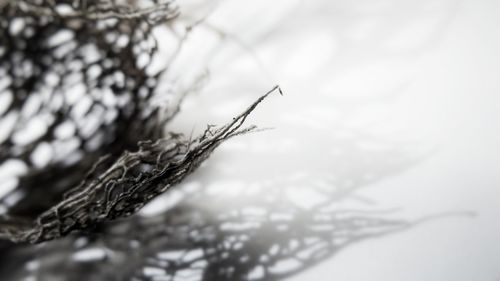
x=276, y=88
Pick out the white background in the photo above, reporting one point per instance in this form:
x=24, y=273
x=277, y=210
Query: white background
x=423, y=75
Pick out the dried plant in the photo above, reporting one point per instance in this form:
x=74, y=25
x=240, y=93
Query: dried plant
x=119, y=188
x=84, y=134
x=81, y=74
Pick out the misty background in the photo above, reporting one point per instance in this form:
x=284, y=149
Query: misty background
x=418, y=76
